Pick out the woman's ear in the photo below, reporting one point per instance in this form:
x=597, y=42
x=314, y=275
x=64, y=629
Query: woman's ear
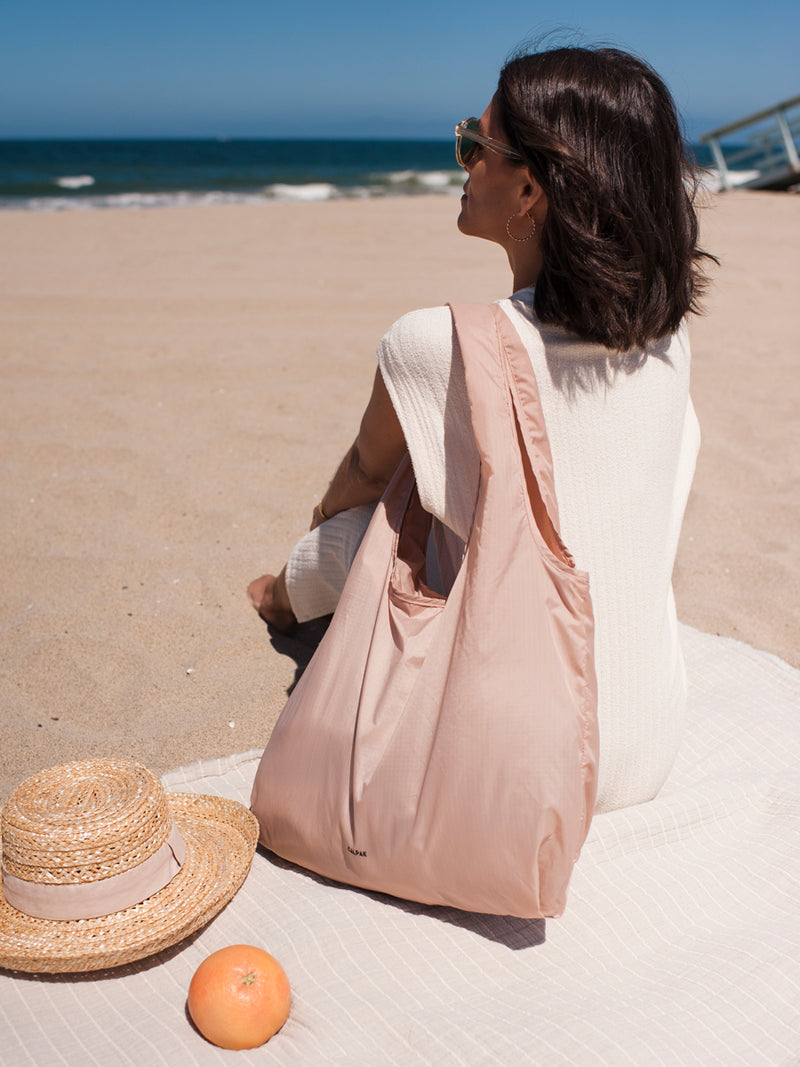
x=532, y=195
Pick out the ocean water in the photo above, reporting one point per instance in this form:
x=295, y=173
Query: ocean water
x=53, y=175
x=59, y=175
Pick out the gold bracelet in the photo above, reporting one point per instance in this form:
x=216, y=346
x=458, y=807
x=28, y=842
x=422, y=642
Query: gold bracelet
x=322, y=513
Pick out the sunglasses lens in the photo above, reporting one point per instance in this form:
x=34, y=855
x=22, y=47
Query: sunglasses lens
x=465, y=146
x=468, y=147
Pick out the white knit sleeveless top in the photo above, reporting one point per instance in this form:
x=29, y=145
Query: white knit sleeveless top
x=624, y=441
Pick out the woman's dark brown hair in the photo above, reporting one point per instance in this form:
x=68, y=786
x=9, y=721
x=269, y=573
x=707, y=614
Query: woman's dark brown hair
x=598, y=129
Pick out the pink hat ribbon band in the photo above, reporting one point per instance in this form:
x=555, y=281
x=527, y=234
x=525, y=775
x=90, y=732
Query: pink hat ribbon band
x=91, y=900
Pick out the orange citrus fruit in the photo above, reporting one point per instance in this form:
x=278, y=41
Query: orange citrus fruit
x=239, y=997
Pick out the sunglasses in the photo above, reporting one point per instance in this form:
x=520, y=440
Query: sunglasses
x=469, y=138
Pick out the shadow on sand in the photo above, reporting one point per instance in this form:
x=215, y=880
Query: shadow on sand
x=300, y=645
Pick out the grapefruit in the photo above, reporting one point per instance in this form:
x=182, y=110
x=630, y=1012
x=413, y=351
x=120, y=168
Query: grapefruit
x=239, y=997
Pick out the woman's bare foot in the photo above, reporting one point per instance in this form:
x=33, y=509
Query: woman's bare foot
x=268, y=596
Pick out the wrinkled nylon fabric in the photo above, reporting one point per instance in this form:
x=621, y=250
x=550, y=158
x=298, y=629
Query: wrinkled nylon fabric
x=444, y=749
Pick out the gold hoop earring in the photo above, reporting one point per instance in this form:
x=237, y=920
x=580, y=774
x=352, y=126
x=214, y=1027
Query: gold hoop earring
x=521, y=240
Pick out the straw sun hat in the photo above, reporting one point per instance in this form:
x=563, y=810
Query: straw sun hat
x=101, y=866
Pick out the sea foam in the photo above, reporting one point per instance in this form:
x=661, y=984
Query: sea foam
x=434, y=179
x=307, y=192
x=75, y=181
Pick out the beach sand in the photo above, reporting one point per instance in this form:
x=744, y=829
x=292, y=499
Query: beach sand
x=179, y=385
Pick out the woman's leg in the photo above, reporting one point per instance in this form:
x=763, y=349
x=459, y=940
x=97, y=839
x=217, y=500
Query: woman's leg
x=311, y=583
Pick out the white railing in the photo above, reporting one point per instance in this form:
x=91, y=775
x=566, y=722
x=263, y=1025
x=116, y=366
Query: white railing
x=763, y=151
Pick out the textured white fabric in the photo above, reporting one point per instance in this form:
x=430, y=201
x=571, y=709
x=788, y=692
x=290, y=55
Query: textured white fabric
x=680, y=945
x=318, y=564
x=624, y=446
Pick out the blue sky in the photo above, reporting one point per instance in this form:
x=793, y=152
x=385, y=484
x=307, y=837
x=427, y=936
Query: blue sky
x=241, y=68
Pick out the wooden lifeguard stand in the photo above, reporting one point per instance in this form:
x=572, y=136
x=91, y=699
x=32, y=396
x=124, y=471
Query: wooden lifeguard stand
x=762, y=149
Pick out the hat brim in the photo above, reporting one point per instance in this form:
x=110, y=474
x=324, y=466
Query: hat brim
x=221, y=837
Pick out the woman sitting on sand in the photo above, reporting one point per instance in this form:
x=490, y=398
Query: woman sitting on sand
x=577, y=169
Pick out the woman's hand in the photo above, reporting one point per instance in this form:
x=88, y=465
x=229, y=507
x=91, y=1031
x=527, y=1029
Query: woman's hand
x=317, y=517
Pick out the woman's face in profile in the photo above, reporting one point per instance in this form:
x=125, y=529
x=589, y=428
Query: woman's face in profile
x=491, y=191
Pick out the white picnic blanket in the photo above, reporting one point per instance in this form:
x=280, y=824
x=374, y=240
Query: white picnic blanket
x=680, y=943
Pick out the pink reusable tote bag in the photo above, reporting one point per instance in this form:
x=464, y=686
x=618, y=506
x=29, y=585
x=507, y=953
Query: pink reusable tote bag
x=444, y=749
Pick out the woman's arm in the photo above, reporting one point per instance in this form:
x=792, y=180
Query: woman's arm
x=371, y=461
x=362, y=476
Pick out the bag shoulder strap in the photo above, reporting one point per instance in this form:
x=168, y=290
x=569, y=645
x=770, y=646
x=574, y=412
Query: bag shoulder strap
x=498, y=369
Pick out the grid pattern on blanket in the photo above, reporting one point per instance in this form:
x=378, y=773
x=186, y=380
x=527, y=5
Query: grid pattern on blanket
x=680, y=943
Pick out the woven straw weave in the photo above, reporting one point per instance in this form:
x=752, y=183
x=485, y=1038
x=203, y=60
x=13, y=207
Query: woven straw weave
x=82, y=822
